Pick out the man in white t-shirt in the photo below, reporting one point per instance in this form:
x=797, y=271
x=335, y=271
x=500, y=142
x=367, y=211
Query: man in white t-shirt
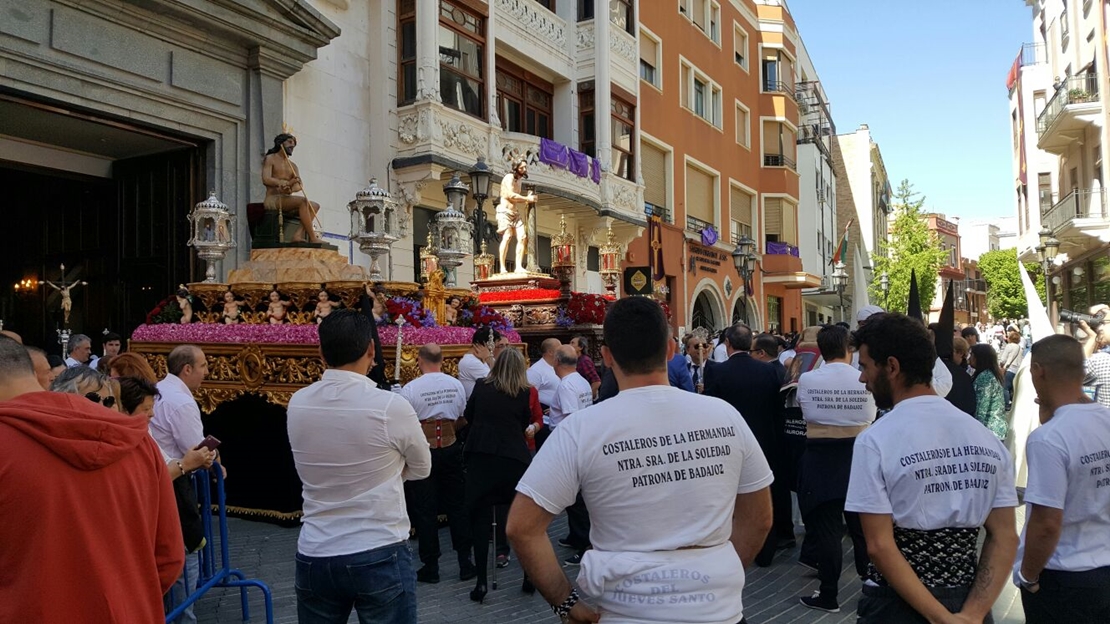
x=925, y=479
x=542, y=375
x=837, y=407
x=439, y=401
x=573, y=394
x=942, y=377
x=1063, y=563
x=476, y=362
x=353, y=446
x=642, y=471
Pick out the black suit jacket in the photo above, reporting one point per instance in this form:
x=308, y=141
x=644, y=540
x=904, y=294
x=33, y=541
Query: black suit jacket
x=752, y=387
x=496, y=423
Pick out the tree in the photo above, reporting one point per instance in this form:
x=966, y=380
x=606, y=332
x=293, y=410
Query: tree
x=1005, y=294
x=912, y=247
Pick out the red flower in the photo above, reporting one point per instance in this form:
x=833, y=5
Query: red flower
x=518, y=295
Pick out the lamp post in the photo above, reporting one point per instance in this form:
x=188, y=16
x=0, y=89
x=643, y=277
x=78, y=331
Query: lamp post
x=452, y=230
x=840, y=282
x=743, y=259
x=609, y=257
x=884, y=283
x=1046, y=252
x=375, y=224
x=480, y=179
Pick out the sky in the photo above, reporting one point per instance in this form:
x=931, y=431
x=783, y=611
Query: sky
x=929, y=78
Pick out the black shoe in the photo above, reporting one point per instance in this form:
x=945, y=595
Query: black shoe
x=565, y=541
x=467, y=570
x=527, y=587
x=428, y=574
x=478, y=594
x=574, y=560
x=503, y=561
x=821, y=604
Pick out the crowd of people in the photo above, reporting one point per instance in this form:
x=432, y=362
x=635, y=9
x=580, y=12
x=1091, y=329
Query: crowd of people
x=681, y=462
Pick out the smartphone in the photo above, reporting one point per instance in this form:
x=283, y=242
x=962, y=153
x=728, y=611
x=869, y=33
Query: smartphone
x=209, y=443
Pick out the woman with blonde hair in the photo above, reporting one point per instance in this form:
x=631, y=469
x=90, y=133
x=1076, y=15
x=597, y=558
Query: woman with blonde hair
x=496, y=452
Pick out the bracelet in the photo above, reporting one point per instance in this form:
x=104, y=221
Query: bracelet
x=1024, y=582
x=180, y=467
x=563, y=610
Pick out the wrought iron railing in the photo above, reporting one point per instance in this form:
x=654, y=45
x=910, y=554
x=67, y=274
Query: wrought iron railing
x=1082, y=89
x=778, y=86
x=1033, y=54
x=660, y=211
x=695, y=224
x=1079, y=204
x=779, y=160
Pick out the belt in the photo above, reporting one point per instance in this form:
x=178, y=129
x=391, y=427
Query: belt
x=440, y=432
x=940, y=558
x=817, y=430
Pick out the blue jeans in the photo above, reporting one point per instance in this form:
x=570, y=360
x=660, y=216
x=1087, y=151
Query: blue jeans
x=379, y=584
x=178, y=593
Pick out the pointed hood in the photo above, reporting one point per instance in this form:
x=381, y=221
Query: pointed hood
x=913, y=307
x=80, y=432
x=946, y=324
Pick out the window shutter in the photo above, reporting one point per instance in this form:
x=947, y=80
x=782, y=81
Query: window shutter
x=648, y=50
x=772, y=215
x=741, y=203
x=654, y=168
x=699, y=195
x=789, y=228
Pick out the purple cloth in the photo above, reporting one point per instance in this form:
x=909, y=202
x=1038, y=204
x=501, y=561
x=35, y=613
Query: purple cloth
x=579, y=164
x=553, y=154
x=781, y=249
x=595, y=170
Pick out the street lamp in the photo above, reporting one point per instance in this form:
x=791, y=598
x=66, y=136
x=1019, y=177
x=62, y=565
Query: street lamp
x=840, y=282
x=743, y=258
x=480, y=179
x=884, y=283
x=1046, y=251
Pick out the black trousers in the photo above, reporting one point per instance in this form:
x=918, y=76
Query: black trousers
x=825, y=531
x=490, y=481
x=578, y=521
x=1072, y=597
x=442, y=489
x=883, y=605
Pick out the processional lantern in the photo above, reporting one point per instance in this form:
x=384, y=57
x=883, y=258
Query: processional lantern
x=210, y=223
x=376, y=223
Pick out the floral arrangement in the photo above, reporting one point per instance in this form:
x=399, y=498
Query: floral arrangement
x=167, y=311
x=297, y=334
x=530, y=294
x=414, y=313
x=587, y=308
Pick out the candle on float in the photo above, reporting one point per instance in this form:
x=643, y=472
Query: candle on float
x=397, y=360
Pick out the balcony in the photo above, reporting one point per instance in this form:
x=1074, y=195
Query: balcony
x=1082, y=212
x=1074, y=106
x=695, y=224
x=1033, y=54
x=778, y=86
x=779, y=160
x=782, y=265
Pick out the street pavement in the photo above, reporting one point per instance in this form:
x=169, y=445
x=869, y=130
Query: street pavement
x=264, y=551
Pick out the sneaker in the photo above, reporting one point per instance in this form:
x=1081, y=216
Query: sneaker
x=565, y=541
x=503, y=561
x=428, y=574
x=574, y=560
x=821, y=604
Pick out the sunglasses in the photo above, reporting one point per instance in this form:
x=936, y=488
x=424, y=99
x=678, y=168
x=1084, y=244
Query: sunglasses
x=107, y=401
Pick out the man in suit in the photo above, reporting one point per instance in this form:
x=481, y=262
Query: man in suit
x=752, y=387
x=677, y=371
x=765, y=348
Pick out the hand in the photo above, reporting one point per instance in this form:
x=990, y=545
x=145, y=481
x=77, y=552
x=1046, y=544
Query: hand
x=197, y=458
x=582, y=612
x=530, y=432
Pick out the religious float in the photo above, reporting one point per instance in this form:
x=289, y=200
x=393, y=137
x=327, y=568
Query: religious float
x=258, y=329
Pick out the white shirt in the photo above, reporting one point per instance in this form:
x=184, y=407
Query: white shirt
x=697, y=371
x=574, y=394
x=655, y=484
x=930, y=467
x=1069, y=469
x=833, y=395
x=70, y=362
x=786, y=355
x=353, y=444
x=435, y=396
x=720, y=352
x=542, y=377
x=176, y=425
x=471, y=369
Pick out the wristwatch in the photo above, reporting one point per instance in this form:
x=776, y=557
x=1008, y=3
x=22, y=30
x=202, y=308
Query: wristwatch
x=1027, y=585
x=563, y=610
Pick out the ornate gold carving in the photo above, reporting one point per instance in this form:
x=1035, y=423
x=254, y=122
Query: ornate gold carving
x=252, y=366
x=208, y=293
x=301, y=293
x=348, y=292
x=252, y=292
x=540, y=314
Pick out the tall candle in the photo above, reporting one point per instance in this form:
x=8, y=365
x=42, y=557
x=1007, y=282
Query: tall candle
x=397, y=362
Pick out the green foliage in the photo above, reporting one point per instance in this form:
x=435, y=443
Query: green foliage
x=912, y=247
x=1005, y=295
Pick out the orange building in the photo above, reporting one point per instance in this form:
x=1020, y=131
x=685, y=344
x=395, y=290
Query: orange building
x=718, y=158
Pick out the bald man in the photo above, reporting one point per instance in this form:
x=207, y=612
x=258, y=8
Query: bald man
x=43, y=372
x=10, y=334
x=542, y=374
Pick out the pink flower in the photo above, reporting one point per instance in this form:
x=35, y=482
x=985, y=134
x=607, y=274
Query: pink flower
x=295, y=334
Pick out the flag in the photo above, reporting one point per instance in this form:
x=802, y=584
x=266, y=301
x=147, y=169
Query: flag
x=842, y=248
x=655, y=251
x=913, y=307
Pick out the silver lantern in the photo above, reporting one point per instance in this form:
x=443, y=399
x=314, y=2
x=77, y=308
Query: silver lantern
x=211, y=233
x=376, y=223
x=452, y=230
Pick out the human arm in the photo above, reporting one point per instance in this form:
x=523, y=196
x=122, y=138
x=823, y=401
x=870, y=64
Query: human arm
x=679, y=375
x=1042, y=534
x=995, y=561
x=404, y=430
x=1046, y=492
x=268, y=179
x=1090, y=339
x=878, y=531
x=536, y=412
x=751, y=522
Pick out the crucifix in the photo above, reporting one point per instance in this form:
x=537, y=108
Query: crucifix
x=64, y=288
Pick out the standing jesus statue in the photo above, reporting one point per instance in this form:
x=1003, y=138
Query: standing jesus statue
x=509, y=221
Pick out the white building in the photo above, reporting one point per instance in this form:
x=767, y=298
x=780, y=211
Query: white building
x=978, y=236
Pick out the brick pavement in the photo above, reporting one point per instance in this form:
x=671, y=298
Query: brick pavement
x=771, y=594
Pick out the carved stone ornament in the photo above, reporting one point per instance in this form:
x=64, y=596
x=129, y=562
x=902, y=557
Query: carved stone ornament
x=623, y=45
x=463, y=137
x=585, y=37
x=536, y=20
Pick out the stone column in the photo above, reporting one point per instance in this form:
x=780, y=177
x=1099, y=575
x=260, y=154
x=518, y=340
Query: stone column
x=427, y=50
x=602, y=81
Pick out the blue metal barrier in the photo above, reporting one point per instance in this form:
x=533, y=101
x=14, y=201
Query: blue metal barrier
x=213, y=573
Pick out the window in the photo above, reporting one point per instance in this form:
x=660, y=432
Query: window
x=743, y=125
x=1044, y=190
x=650, y=56
x=406, y=51
x=461, y=58
x=699, y=97
x=587, y=138
x=523, y=100
x=740, y=46
x=622, y=15
x=698, y=13
x=706, y=16
x=585, y=10
x=740, y=207
x=778, y=72
x=701, y=198
x=700, y=94
x=547, y=4
x=779, y=145
x=714, y=22
x=623, y=123
x=653, y=166
x=780, y=220
x=774, y=313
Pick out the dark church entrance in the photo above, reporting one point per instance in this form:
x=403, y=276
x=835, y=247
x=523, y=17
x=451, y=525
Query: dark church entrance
x=116, y=219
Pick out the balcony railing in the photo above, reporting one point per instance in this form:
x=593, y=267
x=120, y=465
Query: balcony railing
x=1033, y=54
x=1079, y=204
x=778, y=86
x=1081, y=89
x=662, y=212
x=695, y=224
x=779, y=160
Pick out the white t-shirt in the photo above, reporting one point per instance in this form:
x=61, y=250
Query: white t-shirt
x=1069, y=469
x=786, y=355
x=542, y=377
x=574, y=393
x=471, y=369
x=435, y=396
x=930, y=467
x=833, y=395
x=655, y=483
x=720, y=352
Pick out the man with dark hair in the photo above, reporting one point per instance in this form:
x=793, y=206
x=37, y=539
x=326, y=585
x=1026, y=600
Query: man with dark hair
x=836, y=408
x=282, y=179
x=354, y=502
x=92, y=532
x=640, y=471
x=752, y=388
x=112, y=343
x=477, y=361
x=766, y=350
x=80, y=351
x=439, y=400
x=1063, y=563
x=970, y=334
x=925, y=479
x=586, y=366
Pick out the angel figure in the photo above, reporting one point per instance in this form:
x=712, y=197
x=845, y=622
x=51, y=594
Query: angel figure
x=185, y=302
x=276, y=311
x=324, y=306
x=67, y=301
x=231, y=309
x=451, y=312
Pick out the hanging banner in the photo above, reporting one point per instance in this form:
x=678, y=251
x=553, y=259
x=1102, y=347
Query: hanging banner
x=655, y=251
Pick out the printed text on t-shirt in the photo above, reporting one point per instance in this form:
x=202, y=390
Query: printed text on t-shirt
x=666, y=462
x=953, y=476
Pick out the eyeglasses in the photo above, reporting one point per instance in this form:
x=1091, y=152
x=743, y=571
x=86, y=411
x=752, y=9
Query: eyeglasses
x=107, y=401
